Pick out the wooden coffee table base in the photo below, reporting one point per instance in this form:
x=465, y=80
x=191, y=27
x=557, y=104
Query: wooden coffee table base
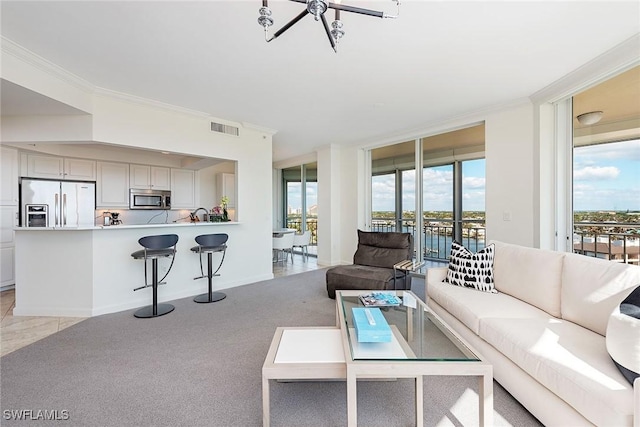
x=297, y=359
x=307, y=353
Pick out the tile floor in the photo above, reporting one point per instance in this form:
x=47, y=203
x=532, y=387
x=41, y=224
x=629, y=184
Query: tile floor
x=17, y=332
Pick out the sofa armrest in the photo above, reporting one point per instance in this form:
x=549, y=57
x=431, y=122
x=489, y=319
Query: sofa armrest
x=434, y=275
x=636, y=402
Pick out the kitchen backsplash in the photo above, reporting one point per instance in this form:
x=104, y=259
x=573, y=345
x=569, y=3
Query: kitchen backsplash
x=139, y=217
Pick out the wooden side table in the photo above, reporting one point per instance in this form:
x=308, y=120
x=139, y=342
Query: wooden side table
x=405, y=267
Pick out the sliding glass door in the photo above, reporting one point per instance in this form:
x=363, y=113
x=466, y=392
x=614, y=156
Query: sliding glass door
x=437, y=210
x=599, y=169
x=300, y=184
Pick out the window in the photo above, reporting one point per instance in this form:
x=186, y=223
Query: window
x=452, y=191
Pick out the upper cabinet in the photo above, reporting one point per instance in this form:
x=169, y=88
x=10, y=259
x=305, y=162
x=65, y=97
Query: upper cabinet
x=150, y=177
x=183, y=189
x=79, y=169
x=41, y=166
x=226, y=186
x=9, y=175
x=112, y=185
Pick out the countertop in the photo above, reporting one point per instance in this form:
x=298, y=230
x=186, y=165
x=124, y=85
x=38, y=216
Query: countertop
x=119, y=227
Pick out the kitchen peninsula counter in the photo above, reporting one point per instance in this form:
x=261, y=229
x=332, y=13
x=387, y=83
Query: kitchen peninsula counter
x=122, y=226
x=88, y=271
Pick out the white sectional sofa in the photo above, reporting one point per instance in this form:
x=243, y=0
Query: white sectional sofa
x=544, y=332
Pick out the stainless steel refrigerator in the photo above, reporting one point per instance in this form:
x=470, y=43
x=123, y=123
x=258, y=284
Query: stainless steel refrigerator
x=58, y=203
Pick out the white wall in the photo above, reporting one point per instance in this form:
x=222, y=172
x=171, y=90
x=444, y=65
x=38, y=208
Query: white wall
x=509, y=175
x=330, y=209
x=350, y=210
x=47, y=128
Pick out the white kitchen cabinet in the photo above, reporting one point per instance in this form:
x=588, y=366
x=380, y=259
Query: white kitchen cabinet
x=42, y=166
x=112, y=186
x=79, y=169
x=150, y=177
x=226, y=186
x=183, y=189
x=9, y=176
x=8, y=220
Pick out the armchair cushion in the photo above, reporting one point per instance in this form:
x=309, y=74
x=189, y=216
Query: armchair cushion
x=377, y=249
x=373, y=262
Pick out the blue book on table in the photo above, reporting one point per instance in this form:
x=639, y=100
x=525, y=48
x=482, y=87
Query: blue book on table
x=371, y=326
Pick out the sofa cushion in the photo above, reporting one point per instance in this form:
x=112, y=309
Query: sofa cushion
x=593, y=287
x=531, y=275
x=469, y=306
x=471, y=270
x=378, y=249
x=569, y=360
x=623, y=336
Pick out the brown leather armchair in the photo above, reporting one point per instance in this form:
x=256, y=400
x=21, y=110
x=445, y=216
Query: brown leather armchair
x=373, y=262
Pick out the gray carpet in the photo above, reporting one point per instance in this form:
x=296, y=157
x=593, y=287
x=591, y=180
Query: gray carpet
x=201, y=366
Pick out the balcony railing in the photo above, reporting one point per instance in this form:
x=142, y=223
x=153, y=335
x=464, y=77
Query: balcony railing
x=619, y=242
x=312, y=226
x=437, y=234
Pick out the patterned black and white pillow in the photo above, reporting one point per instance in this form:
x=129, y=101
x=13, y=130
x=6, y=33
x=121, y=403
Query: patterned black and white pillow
x=623, y=336
x=471, y=270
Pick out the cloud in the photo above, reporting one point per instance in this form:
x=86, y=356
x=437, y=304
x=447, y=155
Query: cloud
x=473, y=182
x=589, y=173
x=625, y=150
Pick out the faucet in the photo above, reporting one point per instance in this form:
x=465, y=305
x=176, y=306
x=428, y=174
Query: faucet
x=193, y=216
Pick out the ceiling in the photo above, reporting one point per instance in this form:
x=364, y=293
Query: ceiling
x=437, y=61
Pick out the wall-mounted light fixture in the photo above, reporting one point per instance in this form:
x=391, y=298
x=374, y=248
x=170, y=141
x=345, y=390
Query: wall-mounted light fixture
x=589, y=118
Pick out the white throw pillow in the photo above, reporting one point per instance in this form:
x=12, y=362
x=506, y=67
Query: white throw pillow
x=529, y=274
x=471, y=270
x=591, y=289
x=623, y=336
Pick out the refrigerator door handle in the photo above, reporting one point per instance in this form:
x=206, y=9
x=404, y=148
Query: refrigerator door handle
x=64, y=210
x=56, y=210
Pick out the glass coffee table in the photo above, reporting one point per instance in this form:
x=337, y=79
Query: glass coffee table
x=421, y=344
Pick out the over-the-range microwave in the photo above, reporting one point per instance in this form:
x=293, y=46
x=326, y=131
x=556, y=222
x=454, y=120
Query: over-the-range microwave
x=149, y=199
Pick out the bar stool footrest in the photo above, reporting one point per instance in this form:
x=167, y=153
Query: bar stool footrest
x=206, y=298
x=147, y=312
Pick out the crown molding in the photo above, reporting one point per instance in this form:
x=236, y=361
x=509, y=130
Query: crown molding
x=620, y=58
x=449, y=124
x=151, y=103
x=13, y=49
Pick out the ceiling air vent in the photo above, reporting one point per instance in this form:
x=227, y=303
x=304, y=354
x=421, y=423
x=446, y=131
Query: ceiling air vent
x=221, y=128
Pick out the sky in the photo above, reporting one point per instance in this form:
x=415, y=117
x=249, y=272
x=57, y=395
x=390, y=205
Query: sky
x=605, y=177
x=437, y=185
x=294, y=199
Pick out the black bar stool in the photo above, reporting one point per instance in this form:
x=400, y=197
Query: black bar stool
x=210, y=243
x=155, y=247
